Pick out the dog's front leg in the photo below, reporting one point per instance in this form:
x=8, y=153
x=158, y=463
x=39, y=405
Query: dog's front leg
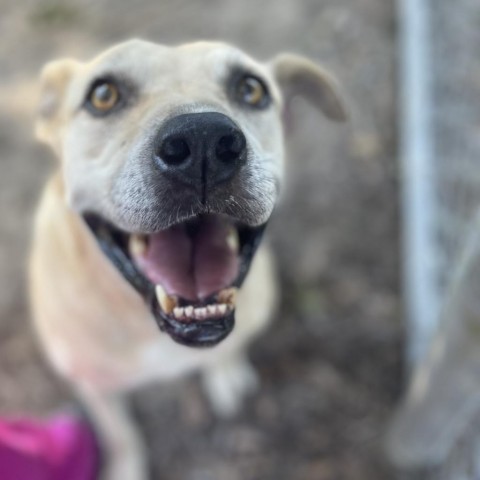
x=122, y=449
x=228, y=382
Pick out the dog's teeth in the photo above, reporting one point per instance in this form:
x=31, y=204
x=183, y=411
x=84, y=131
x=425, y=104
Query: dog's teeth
x=200, y=313
x=232, y=240
x=228, y=296
x=167, y=302
x=178, y=312
x=211, y=310
x=222, y=309
x=137, y=245
x=189, y=311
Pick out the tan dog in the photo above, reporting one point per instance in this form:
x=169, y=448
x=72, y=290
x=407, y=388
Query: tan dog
x=171, y=160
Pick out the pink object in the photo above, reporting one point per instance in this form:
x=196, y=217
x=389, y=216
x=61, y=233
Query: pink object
x=62, y=448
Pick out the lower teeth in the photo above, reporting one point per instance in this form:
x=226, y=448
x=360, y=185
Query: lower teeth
x=169, y=304
x=201, y=313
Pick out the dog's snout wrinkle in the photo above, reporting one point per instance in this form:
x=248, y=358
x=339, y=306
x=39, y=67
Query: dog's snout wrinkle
x=201, y=150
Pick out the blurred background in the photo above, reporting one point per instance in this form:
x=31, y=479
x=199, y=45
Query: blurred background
x=331, y=366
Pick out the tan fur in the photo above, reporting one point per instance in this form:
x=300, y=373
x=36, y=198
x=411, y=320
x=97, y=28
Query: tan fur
x=96, y=330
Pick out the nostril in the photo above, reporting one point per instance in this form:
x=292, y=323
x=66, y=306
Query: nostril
x=174, y=150
x=230, y=147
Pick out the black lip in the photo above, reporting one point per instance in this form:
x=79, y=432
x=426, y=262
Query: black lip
x=206, y=333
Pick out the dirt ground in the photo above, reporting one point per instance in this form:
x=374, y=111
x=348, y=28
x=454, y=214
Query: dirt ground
x=331, y=364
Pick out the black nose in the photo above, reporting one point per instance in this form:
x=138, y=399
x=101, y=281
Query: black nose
x=200, y=149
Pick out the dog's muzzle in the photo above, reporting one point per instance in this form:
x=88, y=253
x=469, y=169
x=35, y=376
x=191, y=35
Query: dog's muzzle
x=189, y=272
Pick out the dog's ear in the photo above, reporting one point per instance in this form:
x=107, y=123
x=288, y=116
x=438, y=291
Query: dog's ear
x=298, y=76
x=54, y=80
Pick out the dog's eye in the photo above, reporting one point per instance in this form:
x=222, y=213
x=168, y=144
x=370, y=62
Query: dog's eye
x=103, y=96
x=252, y=91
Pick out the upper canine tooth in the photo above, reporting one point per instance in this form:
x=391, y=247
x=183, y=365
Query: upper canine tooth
x=137, y=245
x=167, y=302
x=228, y=295
x=232, y=240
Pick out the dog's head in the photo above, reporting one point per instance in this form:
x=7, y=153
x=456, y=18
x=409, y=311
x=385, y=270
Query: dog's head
x=174, y=158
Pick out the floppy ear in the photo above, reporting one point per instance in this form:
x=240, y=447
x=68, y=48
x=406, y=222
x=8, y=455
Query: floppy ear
x=298, y=76
x=54, y=80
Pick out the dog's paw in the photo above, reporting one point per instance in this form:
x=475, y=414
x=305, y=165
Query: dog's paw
x=228, y=383
x=129, y=467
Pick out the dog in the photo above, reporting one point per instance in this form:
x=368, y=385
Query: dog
x=147, y=260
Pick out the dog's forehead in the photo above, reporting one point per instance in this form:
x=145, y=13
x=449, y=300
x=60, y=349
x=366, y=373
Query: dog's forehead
x=146, y=60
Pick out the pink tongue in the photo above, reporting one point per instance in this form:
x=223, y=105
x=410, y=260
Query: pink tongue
x=191, y=267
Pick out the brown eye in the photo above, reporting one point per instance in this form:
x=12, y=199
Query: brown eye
x=104, y=96
x=253, y=92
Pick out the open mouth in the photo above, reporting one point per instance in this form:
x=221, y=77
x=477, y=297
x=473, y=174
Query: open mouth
x=188, y=274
